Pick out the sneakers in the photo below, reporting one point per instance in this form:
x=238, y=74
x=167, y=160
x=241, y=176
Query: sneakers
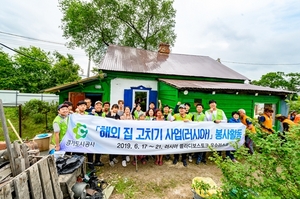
x=143, y=161
x=184, y=163
x=160, y=163
x=111, y=163
x=98, y=164
x=115, y=160
x=190, y=158
x=234, y=160
x=127, y=158
x=156, y=162
x=124, y=163
x=175, y=161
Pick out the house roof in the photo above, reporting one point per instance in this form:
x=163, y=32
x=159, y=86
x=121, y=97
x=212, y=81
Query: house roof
x=219, y=86
x=128, y=59
x=71, y=84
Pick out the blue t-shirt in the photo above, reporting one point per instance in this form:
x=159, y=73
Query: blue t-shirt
x=232, y=120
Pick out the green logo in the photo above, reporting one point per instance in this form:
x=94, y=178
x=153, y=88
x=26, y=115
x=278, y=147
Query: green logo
x=80, y=130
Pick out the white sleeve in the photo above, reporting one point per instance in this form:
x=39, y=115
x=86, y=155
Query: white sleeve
x=224, y=120
x=56, y=127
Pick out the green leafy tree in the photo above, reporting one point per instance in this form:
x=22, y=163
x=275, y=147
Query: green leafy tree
x=7, y=71
x=96, y=24
x=33, y=66
x=64, y=70
x=280, y=80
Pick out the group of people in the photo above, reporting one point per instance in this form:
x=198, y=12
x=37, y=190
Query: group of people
x=163, y=113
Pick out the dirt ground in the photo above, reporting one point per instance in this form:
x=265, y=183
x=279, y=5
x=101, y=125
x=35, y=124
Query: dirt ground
x=155, y=182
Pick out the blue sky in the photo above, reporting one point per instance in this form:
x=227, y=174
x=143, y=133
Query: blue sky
x=263, y=32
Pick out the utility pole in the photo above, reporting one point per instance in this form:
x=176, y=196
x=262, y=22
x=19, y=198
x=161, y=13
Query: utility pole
x=89, y=66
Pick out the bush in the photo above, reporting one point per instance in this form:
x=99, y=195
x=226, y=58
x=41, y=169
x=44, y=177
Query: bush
x=38, y=110
x=271, y=172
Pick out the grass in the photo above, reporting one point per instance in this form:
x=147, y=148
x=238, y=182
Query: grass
x=125, y=186
x=29, y=127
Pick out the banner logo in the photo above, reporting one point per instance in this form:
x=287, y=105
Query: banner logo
x=80, y=131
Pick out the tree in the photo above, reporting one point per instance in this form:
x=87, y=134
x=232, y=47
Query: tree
x=7, y=71
x=280, y=80
x=96, y=24
x=64, y=70
x=32, y=70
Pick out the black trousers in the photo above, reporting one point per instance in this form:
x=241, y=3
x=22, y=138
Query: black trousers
x=90, y=157
x=183, y=156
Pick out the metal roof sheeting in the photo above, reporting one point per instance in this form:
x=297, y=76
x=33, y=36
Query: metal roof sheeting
x=128, y=59
x=215, y=86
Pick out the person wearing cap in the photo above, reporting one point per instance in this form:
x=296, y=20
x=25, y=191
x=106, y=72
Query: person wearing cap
x=98, y=109
x=89, y=107
x=214, y=114
x=181, y=116
x=60, y=125
x=90, y=156
x=248, y=123
x=187, y=108
x=70, y=106
x=266, y=121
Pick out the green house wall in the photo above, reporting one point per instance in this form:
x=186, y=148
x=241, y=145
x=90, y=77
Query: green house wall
x=88, y=87
x=227, y=102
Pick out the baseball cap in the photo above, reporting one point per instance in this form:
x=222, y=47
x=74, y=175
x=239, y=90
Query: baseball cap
x=278, y=115
x=182, y=106
x=62, y=105
x=212, y=101
x=98, y=102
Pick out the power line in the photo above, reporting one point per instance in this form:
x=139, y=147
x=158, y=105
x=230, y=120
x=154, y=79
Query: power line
x=293, y=64
x=23, y=53
x=31, y=38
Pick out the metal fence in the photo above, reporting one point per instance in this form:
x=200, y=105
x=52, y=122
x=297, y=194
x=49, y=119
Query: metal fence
x=15, y=98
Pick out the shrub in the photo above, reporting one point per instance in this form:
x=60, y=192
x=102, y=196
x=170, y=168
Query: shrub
x=271, y=172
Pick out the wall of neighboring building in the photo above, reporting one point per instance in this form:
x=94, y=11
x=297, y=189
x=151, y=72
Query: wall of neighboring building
x=118, y=86
x=14, y=97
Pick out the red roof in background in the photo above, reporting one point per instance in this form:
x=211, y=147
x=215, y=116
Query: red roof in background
x=215, y=86
x=128, y=59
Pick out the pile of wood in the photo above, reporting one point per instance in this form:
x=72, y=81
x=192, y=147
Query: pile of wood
x=23, y=156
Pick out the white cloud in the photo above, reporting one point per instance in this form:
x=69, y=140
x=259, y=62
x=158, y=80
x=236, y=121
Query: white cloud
x=234, y=30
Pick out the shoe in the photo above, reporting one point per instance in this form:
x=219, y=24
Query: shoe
x=134, y=163
x=124, y=163
x=234, y=160
x=98, y=164
x=91, y=166
x=156, y=162
x=184, y=163
x=160, y=163
x=167, y=157
x=190, y=158
x=143, y=161
x=175, y=161
x=115, y=160
x=127, y=158
x=111, y=163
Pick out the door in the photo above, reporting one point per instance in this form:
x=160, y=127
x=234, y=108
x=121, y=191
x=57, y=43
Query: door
x=75, y=97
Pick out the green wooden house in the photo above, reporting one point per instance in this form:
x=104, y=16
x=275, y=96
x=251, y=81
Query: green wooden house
x=132, y=74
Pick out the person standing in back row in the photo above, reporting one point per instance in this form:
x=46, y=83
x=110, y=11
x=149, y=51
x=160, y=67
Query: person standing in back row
x=215, y=115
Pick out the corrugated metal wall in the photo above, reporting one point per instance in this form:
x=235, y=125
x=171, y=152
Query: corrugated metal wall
x=15, y=98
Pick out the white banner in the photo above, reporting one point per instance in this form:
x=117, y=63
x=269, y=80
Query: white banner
x=92, y=134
